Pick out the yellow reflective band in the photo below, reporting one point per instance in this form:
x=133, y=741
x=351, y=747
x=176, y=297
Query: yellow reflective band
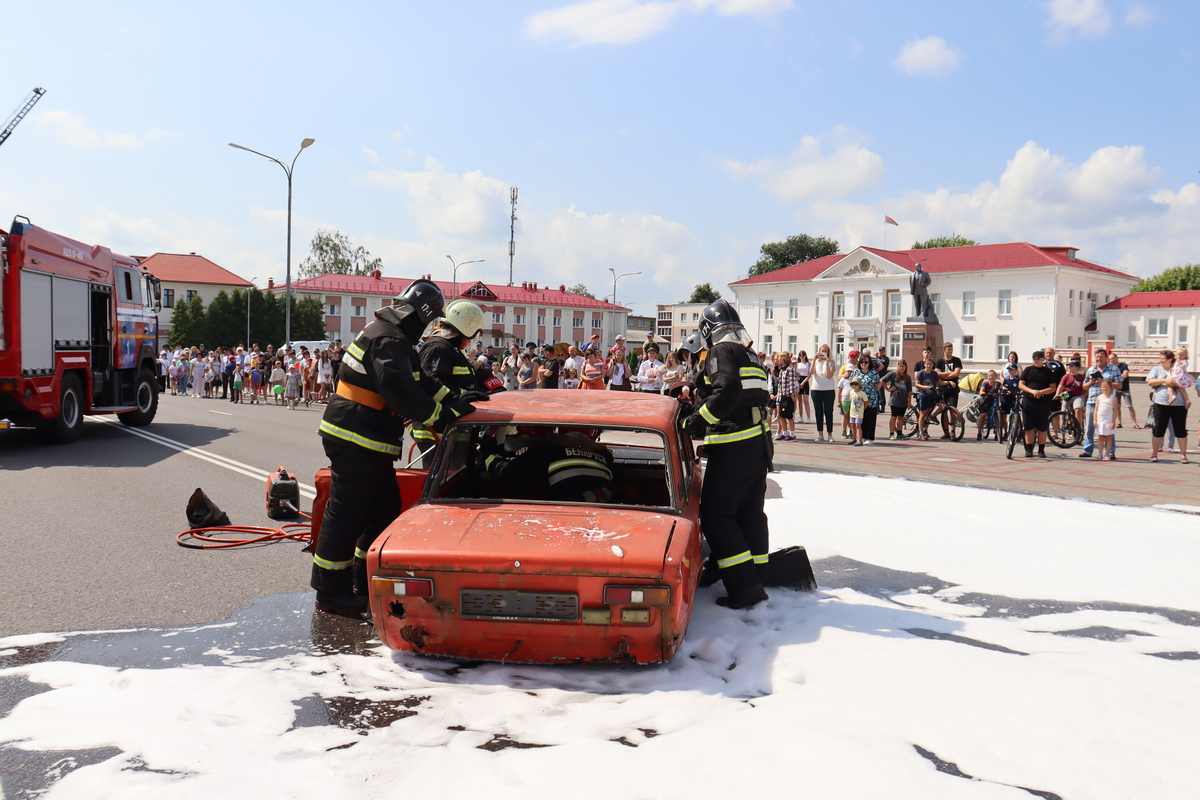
x=752, y=372
x=356, y=351
x=733, y=561
x=763, y=559
x=361, y=441
x=736, y=436
x=325, y=564
x=353, y=363
x=416, y=374
x=441, y=393
x=577, y=467
x=437, y=412
x=360, y=553
x=421, y=432
x=490, y=460
x=708, y=415
x=461, y=371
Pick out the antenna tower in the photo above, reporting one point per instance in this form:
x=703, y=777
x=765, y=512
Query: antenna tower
x=512, y=234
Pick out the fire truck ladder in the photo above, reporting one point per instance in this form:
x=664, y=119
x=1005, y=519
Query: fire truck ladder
x=20, y=113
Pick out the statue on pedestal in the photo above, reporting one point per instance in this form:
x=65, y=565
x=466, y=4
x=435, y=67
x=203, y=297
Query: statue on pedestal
x=918, y=286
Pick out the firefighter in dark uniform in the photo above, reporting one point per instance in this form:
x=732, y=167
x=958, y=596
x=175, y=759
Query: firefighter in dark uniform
x=379, y=387
x=442, y=360
x=539, y=464
x=733, y=421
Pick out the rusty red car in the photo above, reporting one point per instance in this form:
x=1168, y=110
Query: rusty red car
x=522, y=568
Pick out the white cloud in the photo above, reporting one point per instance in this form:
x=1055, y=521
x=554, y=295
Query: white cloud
x=1108, y=206
x=928, y=56
x=625, y=21
x=1139, y=15
x=449, y=205
x=810, y=173
x=1079, y=17
x=75, y=133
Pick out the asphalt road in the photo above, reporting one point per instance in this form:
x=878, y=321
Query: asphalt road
x=87, y=530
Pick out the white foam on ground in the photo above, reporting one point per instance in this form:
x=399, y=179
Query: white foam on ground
x=805, y=696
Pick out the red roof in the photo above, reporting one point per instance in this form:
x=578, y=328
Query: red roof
x=977, y=258
x=190, y=268
x=1188, y=299
x=523, y=294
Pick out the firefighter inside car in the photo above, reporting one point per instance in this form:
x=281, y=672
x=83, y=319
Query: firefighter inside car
x=379, y=388
x=566, y=464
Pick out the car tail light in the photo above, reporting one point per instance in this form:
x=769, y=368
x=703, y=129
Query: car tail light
x=637, y=595
x=402, y=587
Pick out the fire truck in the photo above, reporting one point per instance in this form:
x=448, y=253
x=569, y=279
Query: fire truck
x=78, y=333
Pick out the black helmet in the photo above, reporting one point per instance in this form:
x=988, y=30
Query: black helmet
x=717, y=315
x=693, y=343
x=420, y=304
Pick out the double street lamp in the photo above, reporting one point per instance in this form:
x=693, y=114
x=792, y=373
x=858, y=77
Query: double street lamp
x=616, y=278
x=287, y=169
x=455, y=273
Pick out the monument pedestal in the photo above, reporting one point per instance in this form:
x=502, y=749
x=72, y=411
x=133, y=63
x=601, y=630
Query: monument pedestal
x=919, y=334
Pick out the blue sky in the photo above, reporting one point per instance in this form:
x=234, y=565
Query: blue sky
x=671, y=137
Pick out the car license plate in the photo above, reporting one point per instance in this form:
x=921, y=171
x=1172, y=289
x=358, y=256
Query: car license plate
x=518, y=605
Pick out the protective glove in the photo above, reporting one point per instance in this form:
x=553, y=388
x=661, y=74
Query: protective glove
x=451, y=410
x=695, y=426
x=473, y=396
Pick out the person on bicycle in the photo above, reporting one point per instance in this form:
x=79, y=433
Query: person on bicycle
x=949, y=370
x=1037, y=401
x=1070, y=388
x=989, y=391
x=926, y=386
x=1010, y=392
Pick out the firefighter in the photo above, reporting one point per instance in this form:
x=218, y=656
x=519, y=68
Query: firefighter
x=443, y=361
x=733, y=421
x=379, y=387
x=540, y=464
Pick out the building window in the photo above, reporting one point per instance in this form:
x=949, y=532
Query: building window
x=541, y=319
x=1005, y=303
x=1003, y=348
x=518, y=319
x=839, y=348
x=333, y=310
x=577, y=322
x=839, y=305
x=498, y=318
x=557, y=321
x=1070, y=342
x=168, y=298
x=893, y=345
x=1131, y=337
x=696, y=317
x=360, y=311
x=935, y=302
x=866, y=304
x=792, y=345
x=968, y=348
x=769, y=344
x=1156, y=327
x=968, y=304
x=768, y=310
x=682, y=316
x=597, y=323
x=1071, y=304
x=817, y=308
x=794, y=308
x=894, y=305
x=1092, y=297
x=190, y=294
x=1183, y=334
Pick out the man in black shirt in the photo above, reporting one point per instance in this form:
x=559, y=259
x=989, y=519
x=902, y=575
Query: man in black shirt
x=882, y=360
x=949, y=368
x=1038, y=386
x=549, y=370
x=1056, y=367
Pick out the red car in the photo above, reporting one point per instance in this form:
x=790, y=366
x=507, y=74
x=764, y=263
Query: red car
x=554, y=526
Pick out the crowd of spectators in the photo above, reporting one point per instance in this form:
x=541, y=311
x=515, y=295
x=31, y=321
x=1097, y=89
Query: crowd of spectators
x=286, y=377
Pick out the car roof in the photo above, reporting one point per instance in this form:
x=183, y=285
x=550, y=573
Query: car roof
x=578, y=407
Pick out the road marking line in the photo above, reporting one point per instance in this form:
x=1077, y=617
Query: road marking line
x=942, y=458
x=212, y=458
x=222, y=413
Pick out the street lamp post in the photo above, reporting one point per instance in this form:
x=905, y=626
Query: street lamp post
x=455, y=273
x=616, y=278
x=287, y=325
x=248, y=288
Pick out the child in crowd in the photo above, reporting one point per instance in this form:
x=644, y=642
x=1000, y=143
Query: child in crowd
x=1105, y=404
x=858, y=407
x=238, y=379
x=988, y=392
x=292, y=387
x=926, y=386
x=899, y=385
x=255, y=381
x=844, y=391
x=277, y=376
x=571, y=381
x=1183, y=379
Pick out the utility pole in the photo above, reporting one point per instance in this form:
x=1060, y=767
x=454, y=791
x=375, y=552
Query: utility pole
x=512, y=234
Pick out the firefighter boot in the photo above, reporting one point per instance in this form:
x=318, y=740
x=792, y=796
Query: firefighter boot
x=744, y=587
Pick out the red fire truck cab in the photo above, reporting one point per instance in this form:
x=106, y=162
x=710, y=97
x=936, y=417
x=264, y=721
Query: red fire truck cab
x=78, y=333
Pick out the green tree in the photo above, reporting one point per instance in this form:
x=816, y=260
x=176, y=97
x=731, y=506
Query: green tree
x=704, y=293
x=183, y=326
x=1176, y=279
x=332, y=251
x=797, y=249
x=224, y=322
x=195, y=324
x=953, y=240
x=308, y=318
x=582, y=290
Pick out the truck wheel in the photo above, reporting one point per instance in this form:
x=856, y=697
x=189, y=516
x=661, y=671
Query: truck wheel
x=68, y=425
x=145, y=396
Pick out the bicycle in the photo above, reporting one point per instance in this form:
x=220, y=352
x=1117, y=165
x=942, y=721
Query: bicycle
x=948, y=417
x=1016, y=432
x=1065, y=429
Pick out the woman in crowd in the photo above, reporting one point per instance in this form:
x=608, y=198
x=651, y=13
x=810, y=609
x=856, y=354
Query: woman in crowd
x=803, y=366
x=868, y=378
x=785, y=381
x=324, y=376
x=618, y=369
x=1167, y=409
x=672, y=371
x=899, y=386
x=200, y=370
x=526, y=374
x=821, y=379
x=593, y=371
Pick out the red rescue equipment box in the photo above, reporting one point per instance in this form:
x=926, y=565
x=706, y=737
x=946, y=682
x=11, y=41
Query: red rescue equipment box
x=410, y=481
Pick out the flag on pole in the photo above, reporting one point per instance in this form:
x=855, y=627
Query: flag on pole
x=890, y=221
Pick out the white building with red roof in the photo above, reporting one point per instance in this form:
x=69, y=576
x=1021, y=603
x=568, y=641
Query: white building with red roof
x=1151, y=321
x=990, y=299
x=185, y=276
x=527, y=312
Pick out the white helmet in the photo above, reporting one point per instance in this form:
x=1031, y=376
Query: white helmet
x=465, y=317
